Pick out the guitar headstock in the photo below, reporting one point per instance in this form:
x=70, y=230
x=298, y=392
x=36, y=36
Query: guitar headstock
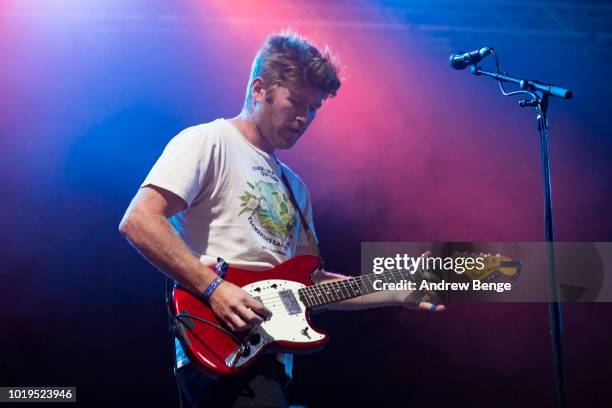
x=493, y=266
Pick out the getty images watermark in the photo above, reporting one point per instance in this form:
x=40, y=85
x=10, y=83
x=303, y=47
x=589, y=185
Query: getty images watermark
x=390, y=270
x=490, y=271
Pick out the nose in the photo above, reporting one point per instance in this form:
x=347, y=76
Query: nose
x=303, y=115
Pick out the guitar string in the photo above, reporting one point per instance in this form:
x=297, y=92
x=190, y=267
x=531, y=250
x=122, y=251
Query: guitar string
x=313, y=289
x=332, y=288
x=344, y=283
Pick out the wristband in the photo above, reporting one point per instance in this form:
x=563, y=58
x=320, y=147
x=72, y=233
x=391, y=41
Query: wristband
x=211, y=288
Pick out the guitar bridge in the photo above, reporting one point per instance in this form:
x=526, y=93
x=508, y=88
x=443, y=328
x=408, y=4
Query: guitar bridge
x=250, y=346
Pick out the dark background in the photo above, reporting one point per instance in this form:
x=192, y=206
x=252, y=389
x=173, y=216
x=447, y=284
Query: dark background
x=409, y=150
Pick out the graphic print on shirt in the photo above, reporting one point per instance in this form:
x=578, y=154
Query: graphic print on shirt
x=270, y=212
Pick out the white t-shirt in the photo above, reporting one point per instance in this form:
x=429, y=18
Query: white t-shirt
x=237, y=205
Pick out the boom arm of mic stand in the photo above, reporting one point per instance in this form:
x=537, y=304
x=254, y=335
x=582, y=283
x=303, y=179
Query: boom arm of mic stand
x=527, y=85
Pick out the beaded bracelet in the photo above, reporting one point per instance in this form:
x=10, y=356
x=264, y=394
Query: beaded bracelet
x=211, y=288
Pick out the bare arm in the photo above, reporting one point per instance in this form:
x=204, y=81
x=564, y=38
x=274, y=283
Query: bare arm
x=145, y=225
x=376, y=299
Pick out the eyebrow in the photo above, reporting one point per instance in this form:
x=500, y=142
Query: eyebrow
x=300, y=99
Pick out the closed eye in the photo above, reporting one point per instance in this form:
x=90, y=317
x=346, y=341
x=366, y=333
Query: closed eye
x=301, y=102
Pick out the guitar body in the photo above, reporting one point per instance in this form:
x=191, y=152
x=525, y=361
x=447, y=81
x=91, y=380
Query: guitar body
x=217, y=353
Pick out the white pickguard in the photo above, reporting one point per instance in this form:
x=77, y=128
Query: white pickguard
x=282, y=326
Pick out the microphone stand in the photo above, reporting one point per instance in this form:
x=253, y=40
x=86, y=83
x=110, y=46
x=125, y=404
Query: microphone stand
x=540, y=93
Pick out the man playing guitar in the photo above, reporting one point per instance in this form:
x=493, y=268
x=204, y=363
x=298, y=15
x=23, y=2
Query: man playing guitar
x=218, y=190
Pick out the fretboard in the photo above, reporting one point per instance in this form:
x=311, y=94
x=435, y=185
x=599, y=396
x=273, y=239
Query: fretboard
x=337, y=291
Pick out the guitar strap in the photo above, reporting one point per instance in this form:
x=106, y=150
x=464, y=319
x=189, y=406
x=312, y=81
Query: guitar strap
x=312, y=241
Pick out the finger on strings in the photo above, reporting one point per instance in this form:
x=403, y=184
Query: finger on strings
x=259, y=308
x=249, y=316
x=432, y=307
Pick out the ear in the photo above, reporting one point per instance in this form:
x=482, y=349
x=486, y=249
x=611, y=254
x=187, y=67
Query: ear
x=257, y=90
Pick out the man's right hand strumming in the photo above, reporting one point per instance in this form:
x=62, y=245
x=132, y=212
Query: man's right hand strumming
x=146, y=227
x=236, y=308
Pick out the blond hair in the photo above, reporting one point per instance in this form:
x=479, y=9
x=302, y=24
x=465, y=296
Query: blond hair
x=289, y=60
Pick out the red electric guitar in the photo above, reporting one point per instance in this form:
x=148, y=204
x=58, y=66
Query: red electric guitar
x=288, y=291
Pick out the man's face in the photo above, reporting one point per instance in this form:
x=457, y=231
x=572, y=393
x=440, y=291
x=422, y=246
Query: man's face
x=285, y=114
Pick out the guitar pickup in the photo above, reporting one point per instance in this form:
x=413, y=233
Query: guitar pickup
x=290, y=302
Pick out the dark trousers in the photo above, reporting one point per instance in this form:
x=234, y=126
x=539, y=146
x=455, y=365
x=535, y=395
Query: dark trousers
x=263, y=384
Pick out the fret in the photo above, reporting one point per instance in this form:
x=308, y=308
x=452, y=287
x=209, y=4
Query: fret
x=317, y=292
x=311, y=296
x=371, y=279
x=404, y=275
x=369, y=283
x=346, y=288
x=342, y=285
x=349, y=290
x=390, y=277
x=366, y=285
x=385, y=276
x=355, y=286
x=333, y=292
x=309, y=300
x=359, y=282
x=337, y=291
x=305, y=298
x=322, y=288
x=393, y=276
x=317, y=296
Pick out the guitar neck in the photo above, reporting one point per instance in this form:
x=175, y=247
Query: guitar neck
x=337, y=291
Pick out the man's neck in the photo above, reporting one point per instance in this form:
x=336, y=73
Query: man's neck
x=247, y=126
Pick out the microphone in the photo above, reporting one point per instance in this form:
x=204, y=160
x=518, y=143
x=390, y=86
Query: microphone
x=462, y=59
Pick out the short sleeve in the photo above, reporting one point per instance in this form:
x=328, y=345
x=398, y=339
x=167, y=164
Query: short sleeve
x=186, y=165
